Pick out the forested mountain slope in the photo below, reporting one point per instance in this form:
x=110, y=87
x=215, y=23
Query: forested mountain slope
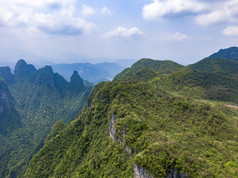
x=228, y=53
x=148, y=68
x=210, y=78
x=139, y=128
x=9, y=117
x=41, y=98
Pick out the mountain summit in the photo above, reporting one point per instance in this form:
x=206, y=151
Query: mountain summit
x=228, y=53
x=23, y=70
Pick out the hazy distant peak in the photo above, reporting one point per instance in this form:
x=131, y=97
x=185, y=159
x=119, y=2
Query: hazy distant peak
x=47, y=69
x=75, y=78
x=22, y=69
x=228, y=53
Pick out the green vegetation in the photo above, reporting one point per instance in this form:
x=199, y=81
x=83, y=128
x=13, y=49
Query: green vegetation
x=154, y=129
x=156, y=67
x=229, y=53
x=39, y=98
x=157, y=115
x=9, y=118
x=210, y=78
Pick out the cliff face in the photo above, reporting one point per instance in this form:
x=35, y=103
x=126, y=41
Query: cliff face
x=5, y=73
x=9, y=118
x=41, y=97
x=140, y=172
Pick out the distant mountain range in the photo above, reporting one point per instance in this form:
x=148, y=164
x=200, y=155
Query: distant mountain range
x=93, y=73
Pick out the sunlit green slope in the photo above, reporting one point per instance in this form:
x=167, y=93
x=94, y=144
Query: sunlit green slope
x=125, y=127
x=150, y=68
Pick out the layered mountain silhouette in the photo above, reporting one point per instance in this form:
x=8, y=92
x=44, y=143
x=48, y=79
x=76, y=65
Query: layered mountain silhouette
x=94, y=73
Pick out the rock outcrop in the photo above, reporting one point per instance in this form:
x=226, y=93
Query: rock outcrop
x=175, y=174
x=140, y=172
x=112, y=130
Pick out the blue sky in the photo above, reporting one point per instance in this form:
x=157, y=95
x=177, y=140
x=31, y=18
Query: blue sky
x=184, y=31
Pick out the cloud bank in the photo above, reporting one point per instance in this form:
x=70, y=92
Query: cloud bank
x=220, y=12
x=161, y=8
x=49, y=16
x=122, y=33
x=231, y=31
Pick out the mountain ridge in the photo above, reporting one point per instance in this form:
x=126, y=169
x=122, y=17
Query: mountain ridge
x=41, y=97
x=228, y=53
x=150, y=123
x=159, y=67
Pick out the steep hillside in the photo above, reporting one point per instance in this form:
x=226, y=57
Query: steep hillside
x=154, y=66
x=5, y=73
x=41, y=97
x=210, y=78
x=9, y=117
x=138, y=129
x=228, y=53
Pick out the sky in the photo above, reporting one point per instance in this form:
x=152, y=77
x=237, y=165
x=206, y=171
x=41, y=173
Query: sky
x=68, y=31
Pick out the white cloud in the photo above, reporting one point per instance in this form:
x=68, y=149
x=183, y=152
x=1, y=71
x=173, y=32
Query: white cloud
x=106, y=11
x=87, y=10
x=171, y=37
x=160, y=8
x=122, y=33
x=231, y=31
x=225, y=11
x=49, y=16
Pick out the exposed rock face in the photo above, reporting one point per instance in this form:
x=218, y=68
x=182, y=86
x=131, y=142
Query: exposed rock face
x=175, y=174
x=5, y=73
x=112, y=130
x=140, y=172
x=9, y=117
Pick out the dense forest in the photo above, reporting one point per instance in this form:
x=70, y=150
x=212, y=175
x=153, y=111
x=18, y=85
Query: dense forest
x=156, y=119
x=31, y=101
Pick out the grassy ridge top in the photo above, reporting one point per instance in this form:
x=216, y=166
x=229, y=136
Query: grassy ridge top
x=210, y=78
x=158, y=67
